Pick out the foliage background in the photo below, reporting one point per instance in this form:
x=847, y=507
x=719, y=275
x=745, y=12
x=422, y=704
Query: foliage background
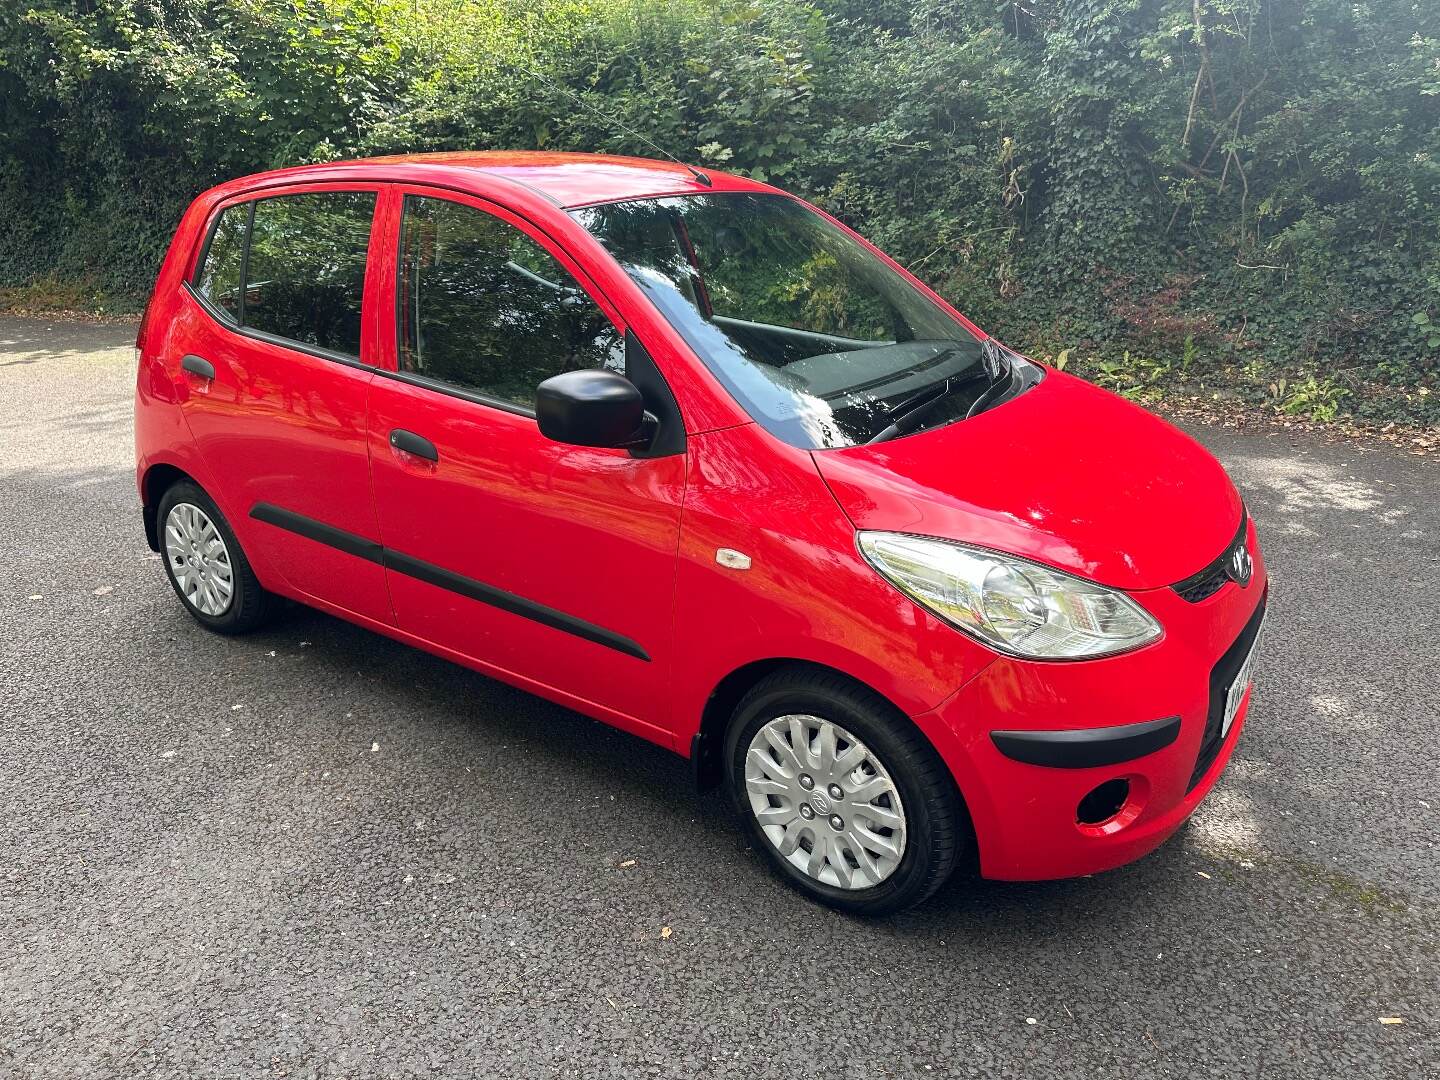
x=1233, y=194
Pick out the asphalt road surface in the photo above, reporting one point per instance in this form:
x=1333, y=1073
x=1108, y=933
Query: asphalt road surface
x=317, y=853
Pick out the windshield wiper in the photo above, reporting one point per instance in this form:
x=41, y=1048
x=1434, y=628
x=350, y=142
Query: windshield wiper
x=997, y=359
x=906, y=417
x=1000, y=366
x=996, y=367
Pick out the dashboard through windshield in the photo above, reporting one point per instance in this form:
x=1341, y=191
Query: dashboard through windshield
x=821, y=342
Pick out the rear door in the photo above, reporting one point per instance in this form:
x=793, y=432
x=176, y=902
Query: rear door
x=553, y=564
x=274, y=371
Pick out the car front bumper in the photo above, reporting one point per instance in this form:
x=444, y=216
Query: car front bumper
x=1028, y=741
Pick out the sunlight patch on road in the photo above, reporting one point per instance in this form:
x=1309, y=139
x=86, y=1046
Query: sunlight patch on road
x=1227, y=822
x=1299, y=485
x=1342, y=712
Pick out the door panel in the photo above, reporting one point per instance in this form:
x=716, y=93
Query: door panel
x=280, y=425
x=565, y=555
x=282, y=428
x=553, y=563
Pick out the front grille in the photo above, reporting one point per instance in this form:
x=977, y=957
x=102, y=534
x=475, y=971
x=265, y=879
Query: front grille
x=1221, y=676
x=1209, y=581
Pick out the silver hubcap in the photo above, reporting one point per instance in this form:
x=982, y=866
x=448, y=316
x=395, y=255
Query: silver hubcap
x=825, y=801
x=199, y=559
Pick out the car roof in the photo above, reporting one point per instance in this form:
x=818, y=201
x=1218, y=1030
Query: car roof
x=568, y=180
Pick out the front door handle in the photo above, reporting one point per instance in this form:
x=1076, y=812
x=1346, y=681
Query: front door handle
x=411, y=443
x=198, y=365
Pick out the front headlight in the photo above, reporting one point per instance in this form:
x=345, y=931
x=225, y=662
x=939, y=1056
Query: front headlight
x=1014, y=606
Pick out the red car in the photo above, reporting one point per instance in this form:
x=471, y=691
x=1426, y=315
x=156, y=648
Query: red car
x=681, y=452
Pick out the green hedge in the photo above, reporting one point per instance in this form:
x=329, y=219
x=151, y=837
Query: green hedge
x=1232, y=192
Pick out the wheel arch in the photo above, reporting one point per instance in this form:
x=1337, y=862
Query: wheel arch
x=157, y=480
x=706, y=744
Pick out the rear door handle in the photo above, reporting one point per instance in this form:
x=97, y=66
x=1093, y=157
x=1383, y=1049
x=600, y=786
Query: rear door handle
x=198, y=365
x=414, y=444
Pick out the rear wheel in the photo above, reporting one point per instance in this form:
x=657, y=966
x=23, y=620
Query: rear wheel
x=206, y=565
x=842, y=793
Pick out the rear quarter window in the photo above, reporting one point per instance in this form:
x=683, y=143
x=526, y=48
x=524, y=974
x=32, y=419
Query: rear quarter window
x=219, y=277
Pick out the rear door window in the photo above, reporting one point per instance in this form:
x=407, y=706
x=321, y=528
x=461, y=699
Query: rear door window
x=292, y=266
x=305, y=270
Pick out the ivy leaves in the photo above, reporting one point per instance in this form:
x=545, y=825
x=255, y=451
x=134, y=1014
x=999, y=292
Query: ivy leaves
x=1259, y=178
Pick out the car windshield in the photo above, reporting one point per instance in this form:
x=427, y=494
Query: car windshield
x=820, y=341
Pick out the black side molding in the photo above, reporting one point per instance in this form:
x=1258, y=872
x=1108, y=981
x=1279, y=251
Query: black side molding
x=198, y=365
x=1085, y=748
x=438, y=576
x=508, y=601
x=311, y=529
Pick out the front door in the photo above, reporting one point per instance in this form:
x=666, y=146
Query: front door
x=275, y=389
x=552, y=565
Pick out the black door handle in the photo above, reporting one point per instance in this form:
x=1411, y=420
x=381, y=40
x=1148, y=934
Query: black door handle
x=411, y=443
x=197, y=365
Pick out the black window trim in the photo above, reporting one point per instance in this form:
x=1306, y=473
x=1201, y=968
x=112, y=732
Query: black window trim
x=245, y=261
x=424, y=382
x=227, y=323
x=193, y=281
x=236, y=324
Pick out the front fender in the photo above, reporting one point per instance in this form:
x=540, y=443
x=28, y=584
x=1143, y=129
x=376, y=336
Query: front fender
x=807, y=594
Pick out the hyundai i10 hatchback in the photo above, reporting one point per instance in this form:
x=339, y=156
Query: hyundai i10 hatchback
x=681, y=452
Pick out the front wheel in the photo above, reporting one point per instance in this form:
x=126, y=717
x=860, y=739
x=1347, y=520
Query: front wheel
x=842, y=793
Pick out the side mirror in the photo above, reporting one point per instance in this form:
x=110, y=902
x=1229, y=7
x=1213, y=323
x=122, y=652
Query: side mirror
x=591, y=408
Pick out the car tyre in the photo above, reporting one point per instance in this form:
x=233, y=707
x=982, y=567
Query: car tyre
x=889, y=755
x=206, y=566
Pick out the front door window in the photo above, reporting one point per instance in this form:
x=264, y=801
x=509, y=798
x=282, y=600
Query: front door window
x=484, y=308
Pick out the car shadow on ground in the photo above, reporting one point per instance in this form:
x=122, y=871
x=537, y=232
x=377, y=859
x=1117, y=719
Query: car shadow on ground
x=596, y=761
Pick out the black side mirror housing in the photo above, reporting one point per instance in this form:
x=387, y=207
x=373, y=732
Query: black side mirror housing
x=592, y=407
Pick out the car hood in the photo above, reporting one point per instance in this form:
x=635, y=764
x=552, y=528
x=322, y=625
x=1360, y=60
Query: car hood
x=1066, y=474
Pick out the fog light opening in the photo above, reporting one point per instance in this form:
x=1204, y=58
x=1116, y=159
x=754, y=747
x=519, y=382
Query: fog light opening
x=1104, y=802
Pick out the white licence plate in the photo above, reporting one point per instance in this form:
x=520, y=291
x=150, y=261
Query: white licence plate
x=1236, y=694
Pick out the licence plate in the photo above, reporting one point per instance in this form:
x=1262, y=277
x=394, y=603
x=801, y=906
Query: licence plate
x=1236, y=694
